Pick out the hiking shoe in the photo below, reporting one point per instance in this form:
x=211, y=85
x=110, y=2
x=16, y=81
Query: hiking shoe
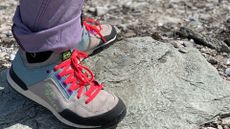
x=60, y=83
x=96, y=37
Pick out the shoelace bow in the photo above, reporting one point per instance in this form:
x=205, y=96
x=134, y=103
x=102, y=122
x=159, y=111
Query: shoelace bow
x=73, y=71
x=94, y=26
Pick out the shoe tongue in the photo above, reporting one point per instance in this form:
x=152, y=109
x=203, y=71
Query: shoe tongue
x=66, y=55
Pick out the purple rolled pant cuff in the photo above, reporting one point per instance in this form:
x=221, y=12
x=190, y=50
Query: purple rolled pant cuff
x=58, y=36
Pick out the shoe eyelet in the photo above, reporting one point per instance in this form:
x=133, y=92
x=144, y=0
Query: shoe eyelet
x=58, y=76
x=48, y=71
x=70, y=92
x=64, y=84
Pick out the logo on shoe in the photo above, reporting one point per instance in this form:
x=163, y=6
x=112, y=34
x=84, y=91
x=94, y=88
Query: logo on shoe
x=66, y=55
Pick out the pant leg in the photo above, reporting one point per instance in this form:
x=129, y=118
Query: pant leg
x=48, y=25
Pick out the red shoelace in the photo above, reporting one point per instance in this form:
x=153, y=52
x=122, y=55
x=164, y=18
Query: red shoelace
x=94, y=26
x=78, y=76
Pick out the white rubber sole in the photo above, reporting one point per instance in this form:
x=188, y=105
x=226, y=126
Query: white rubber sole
x=42, y=102
x=89, y=52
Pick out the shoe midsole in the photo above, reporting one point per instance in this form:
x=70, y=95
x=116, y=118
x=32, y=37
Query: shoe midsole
x=89, y=52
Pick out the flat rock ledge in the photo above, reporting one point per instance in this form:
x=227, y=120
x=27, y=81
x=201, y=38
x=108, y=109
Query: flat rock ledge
x=162, y=88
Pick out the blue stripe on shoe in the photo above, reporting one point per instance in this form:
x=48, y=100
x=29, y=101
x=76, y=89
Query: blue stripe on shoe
x=60, y=85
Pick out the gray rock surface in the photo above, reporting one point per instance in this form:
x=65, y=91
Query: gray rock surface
x=227, y=71
x=162, y=87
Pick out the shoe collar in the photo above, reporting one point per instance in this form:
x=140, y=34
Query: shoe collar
x=55, y=58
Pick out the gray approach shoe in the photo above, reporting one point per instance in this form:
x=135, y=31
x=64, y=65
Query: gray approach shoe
x=66, y=88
